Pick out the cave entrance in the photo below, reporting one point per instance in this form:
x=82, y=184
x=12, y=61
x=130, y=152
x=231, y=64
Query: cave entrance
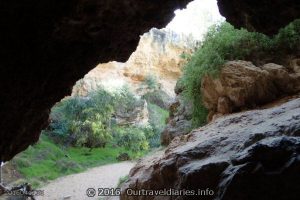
x=116, y=113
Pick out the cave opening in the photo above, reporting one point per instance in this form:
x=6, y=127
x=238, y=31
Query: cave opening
x=197, y=99
x=118, y=110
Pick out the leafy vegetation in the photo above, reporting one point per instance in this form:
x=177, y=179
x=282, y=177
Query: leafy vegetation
x=157, y=119
x=151, y=82
x=84, y=133
x=89, y=121
x=224, y=42
x=47, y=160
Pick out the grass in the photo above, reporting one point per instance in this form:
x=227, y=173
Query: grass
x=47, y=161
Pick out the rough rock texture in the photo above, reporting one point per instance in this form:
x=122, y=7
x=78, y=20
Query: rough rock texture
x=109, y=76
x=242, y=85
x=180, y=119
x=48, y=45
x=244, y=156
x=263, y=16
x=138, y=115
x=158, y=54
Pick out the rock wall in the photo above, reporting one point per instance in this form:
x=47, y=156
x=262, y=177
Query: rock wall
x=242, y=85
x=180, y=118
x=243, y=156
x=158, y=54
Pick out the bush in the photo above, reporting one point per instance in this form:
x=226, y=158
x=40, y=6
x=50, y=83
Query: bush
x=132, y=138
x=87, y=121
x=288, y=38
x=223, y=43
x=151, y=82
x=157, y=119
x=83, y=121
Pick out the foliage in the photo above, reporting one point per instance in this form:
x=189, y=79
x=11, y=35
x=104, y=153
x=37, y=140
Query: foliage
x=151, y=82
x=126, y=101
x=88, y=122
x=224, y=42
x=157, y=97
x=48, y=160
x=132, y=138
x=83, y=121
x=157, y=119
x=122, y=180
x=288, y=38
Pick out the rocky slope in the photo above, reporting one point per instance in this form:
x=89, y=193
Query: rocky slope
x=158, y=54
x=240, y=86
x=242, y=156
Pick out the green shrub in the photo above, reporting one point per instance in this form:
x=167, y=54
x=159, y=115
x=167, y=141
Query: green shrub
x=126, y=101
x=83, y=121
x=157, y=119
x=288, y=38
x=88, y=122
x=223, y=43
x=132, y=138
x=151, y=82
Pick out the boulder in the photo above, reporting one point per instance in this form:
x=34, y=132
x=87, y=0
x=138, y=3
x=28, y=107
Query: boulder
x=242, y=85
x=243, y=156
x=138, y=115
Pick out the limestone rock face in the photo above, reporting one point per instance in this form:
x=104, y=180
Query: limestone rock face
x=158, y=54
x=108, y=76
x=242, y=85
x=243, y=156
x=48, y=45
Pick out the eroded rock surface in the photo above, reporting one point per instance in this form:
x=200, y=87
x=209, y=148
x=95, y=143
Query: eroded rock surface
x=243, y=156
x=48, y=45
x=180, y=119
x=242, y=85
x=158, y=54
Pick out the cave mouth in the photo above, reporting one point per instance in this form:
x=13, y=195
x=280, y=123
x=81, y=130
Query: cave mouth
x=134, y=94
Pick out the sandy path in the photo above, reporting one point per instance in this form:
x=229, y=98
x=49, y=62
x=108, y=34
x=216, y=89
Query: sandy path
x=75, y=186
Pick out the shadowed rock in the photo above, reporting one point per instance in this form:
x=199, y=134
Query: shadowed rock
x=263, y=16
x=243, y=156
